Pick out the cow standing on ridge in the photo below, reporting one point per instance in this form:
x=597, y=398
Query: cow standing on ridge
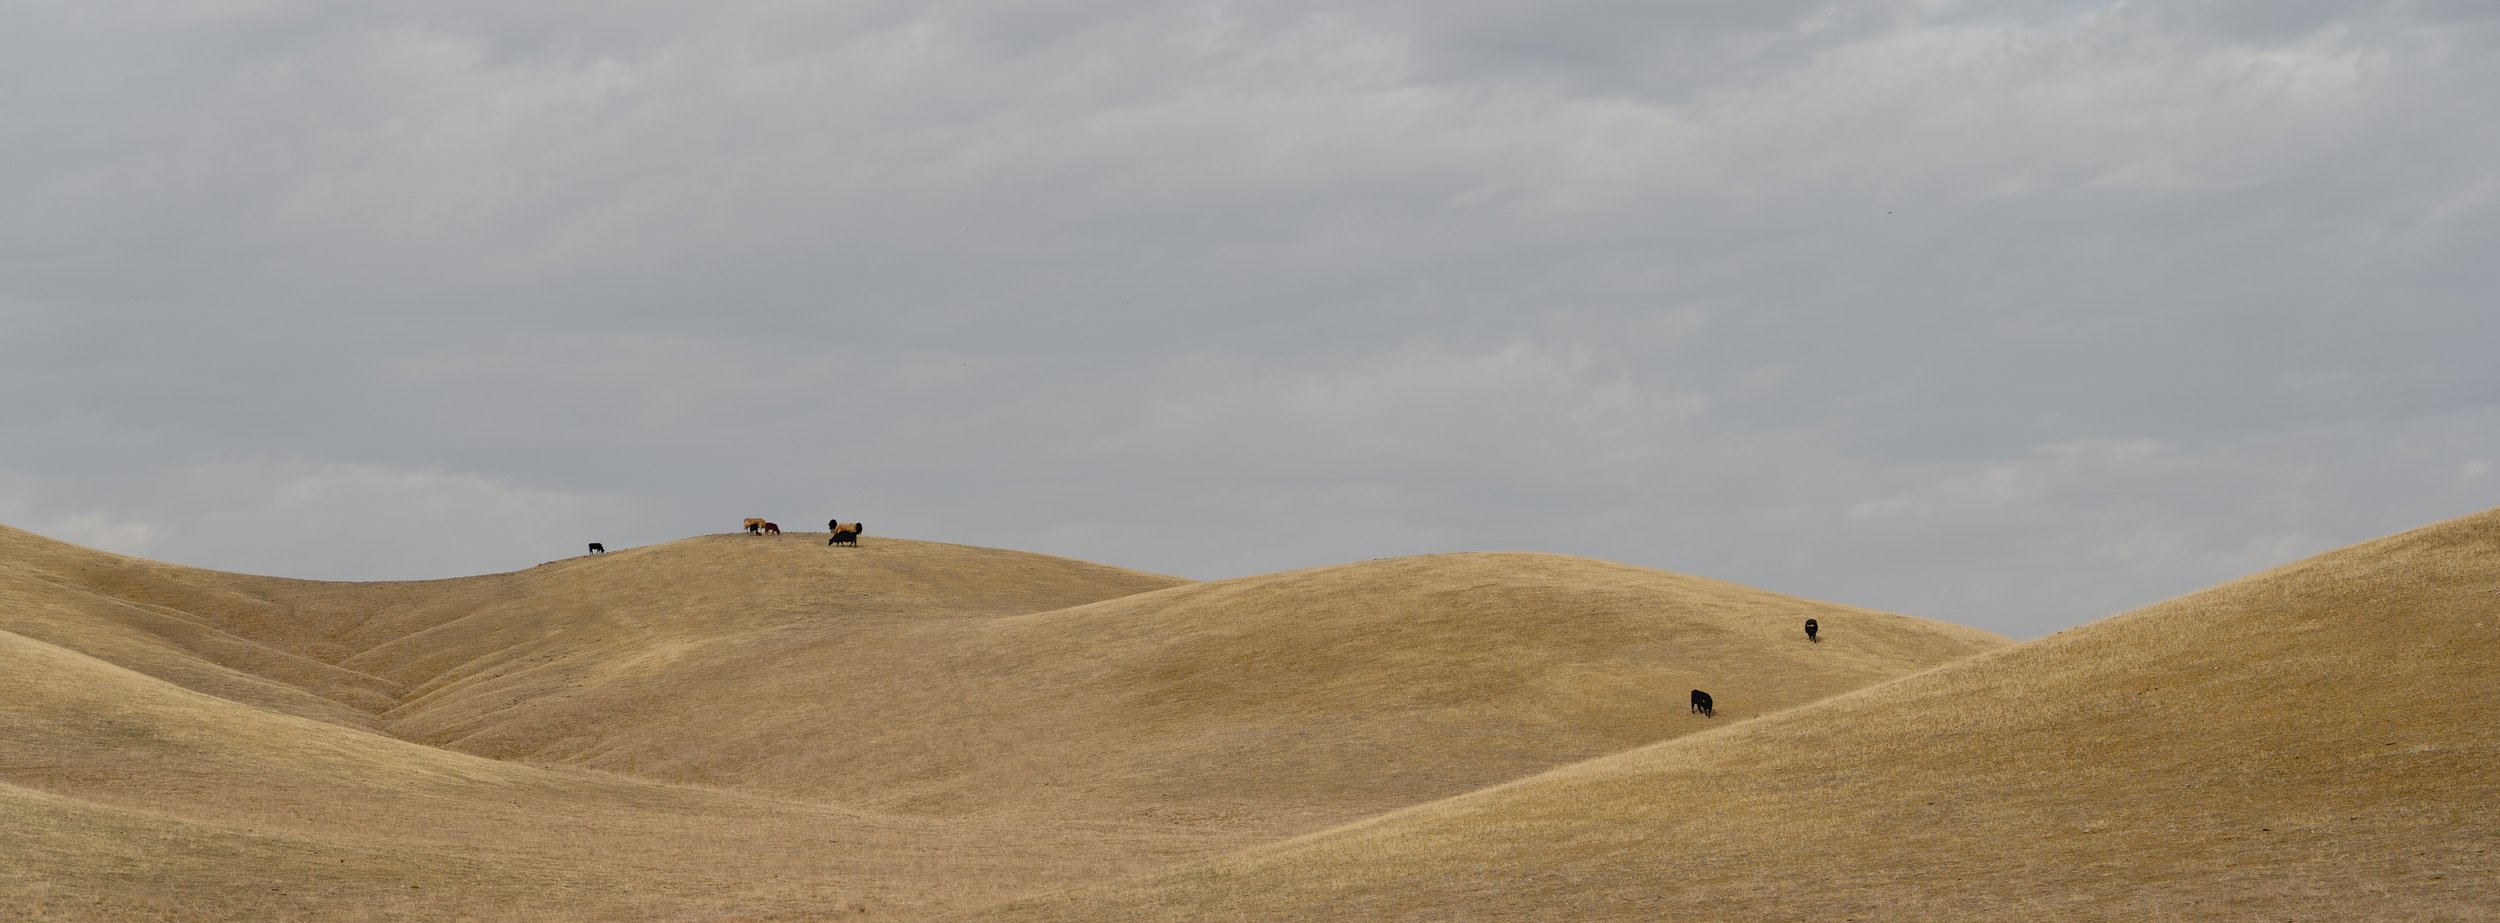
x=1701, y=703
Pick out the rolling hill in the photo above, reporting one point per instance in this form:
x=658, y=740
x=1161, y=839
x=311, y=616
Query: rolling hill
x=926, y=678
x=2315, y=742
x=129, y=798
x=736, y=727
x=187, y=789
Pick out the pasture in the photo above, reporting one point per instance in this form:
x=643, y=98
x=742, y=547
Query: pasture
x=724, y=727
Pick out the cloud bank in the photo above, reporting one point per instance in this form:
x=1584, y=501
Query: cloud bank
x=2014, y=315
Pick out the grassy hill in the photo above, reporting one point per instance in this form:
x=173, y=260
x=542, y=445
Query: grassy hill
x=184, y=788
x=741, y=727
x=2315, y=742
x=938, y=679
x=128, y=798
x=1316, y=696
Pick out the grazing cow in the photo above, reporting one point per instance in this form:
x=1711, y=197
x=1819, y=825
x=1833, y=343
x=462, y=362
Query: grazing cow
x=1701, y=703
x=846, y=533
x=754, y=526
x=772, y=528
x=1810, y=628
x=596, y=548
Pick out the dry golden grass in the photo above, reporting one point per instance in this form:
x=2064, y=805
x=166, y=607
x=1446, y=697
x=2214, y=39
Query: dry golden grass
x=938, y=679
x=2313, y=743
x=731, y=727
x=133, y=798
x=1294, y=700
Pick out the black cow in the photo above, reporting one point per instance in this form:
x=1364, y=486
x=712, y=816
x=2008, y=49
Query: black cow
x=1701, y=703
x=1810, y=627
x=847, y=533
x=596, y=548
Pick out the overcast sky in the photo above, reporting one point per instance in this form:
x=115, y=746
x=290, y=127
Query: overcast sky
x=2015, y=314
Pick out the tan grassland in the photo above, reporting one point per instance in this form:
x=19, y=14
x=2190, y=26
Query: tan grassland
x=2318, y=742
x=735, y=727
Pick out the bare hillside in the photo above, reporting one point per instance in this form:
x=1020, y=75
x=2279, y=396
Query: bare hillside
x=126, y=798
x=735, y=727
x=1320, y=695
x=671, y=661
x=2316, y=742
x=171, y=623
x=940, y=679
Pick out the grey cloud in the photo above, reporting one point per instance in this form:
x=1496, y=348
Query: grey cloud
x=2014, y=315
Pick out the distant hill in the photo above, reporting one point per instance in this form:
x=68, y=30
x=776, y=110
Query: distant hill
x=2317, y=742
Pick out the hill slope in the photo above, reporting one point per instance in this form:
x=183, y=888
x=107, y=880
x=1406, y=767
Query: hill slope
x=904, y=727
x=171, y=623
x=195, y=791
x=1314, y=696
x=670, y=661
x=1286, y=701
x=2315, y=742
x=940, y=679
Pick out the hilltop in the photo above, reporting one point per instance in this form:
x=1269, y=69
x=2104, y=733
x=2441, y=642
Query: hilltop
x=2314, y=742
